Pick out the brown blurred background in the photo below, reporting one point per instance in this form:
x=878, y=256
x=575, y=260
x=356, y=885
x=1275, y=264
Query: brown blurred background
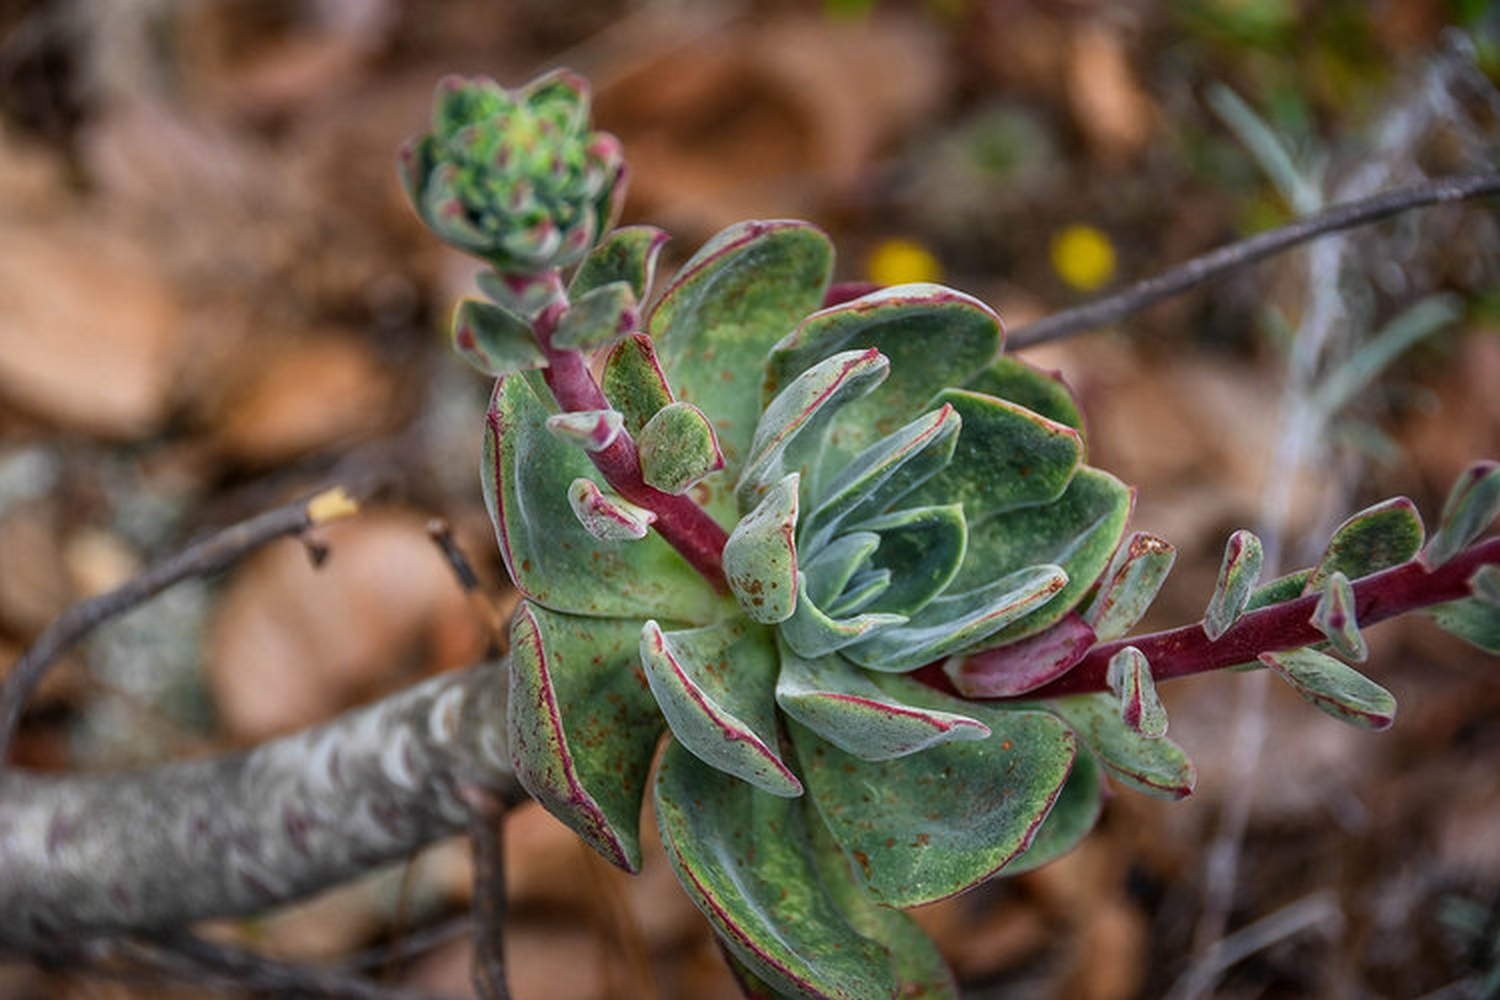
x=213, y=299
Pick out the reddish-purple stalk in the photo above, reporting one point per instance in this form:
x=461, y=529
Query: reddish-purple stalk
x=1188, y=650
x=683, y=524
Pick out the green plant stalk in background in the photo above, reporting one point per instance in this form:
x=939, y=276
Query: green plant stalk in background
x=841, y=555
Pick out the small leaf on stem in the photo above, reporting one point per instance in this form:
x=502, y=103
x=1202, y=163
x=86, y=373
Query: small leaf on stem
x=627, y=254
x=1335, y=618
x=1238, y=575
x=677, y=448
x=1472, y=504
x=607, y=516
x=1334, y=687
x=494, y=339
x=1129, y=585
x=1378, y=537
x=591, y=430
x=597, y=319
x=1129, y=677
x=1024, y=665
x=760, y=558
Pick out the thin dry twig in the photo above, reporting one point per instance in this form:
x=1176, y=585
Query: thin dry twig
x=206, y=557
x=1174, y=281
x=441, y=533
x=486, y=811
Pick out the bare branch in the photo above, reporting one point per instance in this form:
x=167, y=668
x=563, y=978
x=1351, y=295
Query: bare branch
x=486, y=811
x=1116, y=306
x=208, y=556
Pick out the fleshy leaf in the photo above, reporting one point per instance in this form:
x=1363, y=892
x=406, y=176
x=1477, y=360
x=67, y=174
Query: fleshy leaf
x=716, y=687
x=1335, y=618
x=551, y=558
x=812, y=633
x=582, y=725
x=1334, y=687
x=849, y=709
x=1377, y=538
x=935, y=337
x=760, y=558
x=746, y=861
x=1238, y=574
x=522, y=294
x=1280, y=590
x=1073, y=815
x=803, y=407
x=733, y=300
x=921, y=548
x=597, y=319
x=1130, y=584
x=921, y=971
x=1155, y=767
x=1023, y=665
x=828, y=572
x=634, y=383
x=494, y=339
x=1472, y=504
x=591, y=430
x=958, y=621
x=1485, y=584
x=1007, y=457
x=607, y=517
x=1079, y=531
x=678, y=448
x=929, y=825
x=884, y=473
x=1018, y=381
x=627, y=254
x=1129, y=677
x=1472, y=620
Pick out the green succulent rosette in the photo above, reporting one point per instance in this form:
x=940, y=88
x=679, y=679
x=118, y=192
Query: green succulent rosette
x=897, y=495
x=517, y=177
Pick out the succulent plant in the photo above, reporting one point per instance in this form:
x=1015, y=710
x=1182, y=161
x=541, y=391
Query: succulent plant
x=515, y=177
x=827, y=575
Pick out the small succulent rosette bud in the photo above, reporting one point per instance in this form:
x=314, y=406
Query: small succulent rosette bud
x=516, y=177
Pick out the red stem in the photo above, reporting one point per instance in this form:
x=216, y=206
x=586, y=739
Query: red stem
x=1184, y=651
x=681, y=523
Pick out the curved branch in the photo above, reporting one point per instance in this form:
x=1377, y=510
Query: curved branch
x=1117, y=305
x=149, y=851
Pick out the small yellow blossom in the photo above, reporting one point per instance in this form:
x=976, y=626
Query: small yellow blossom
x=1083, y=257
x=899, y=261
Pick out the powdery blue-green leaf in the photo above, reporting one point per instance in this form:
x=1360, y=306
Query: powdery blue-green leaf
x=1023, y=665
x=1280, y=590
x=920, y=969
x=958, y=621
x=1485, y=585
x=935, y=337
x=1238, y=575
x=920, y=550
x=746, y=861
x=1129, y=677
x=1378, y=537
x=1334, y=687
x=1127, y=588
x=799, y=410
x=1072, y=816
x=1079, y=531
x=591, y=430
x=522, y=294
x=527, y=475
x=716, y=686
x=1155, y=767
x=929, y=825
x=733, y=300
x=1472, y=504
x=883, y=474
x=812, y=633
x=1019, y=381
x=1472, y=620
x=760, y=558
x=634, y=383
x=607, y=516
x=1007, y=457
x=1335, y=618
x=678, y=448
x=828, y=571
x=627, y=254
x=582, y=725
x=849, y=709
x=597, y=319
x=494, y=339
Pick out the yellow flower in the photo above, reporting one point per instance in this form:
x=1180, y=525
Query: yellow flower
x=1083, y=257
x=900, y=261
